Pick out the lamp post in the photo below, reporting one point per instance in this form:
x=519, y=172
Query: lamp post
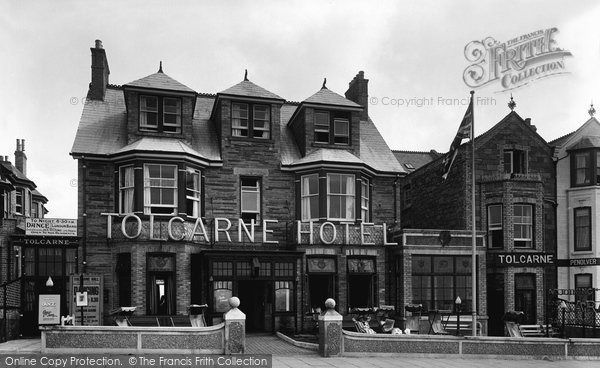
x=563, y=308
x=457, y=304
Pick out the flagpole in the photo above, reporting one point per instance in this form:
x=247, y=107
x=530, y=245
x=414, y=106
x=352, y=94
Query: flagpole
x=473, y=232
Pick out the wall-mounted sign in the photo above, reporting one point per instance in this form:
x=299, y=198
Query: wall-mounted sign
x=55, y=241
x=92, y=311
x=579, y=262
x=49, y=309
x=523, y=259
x=50, y=227
x=81, y=299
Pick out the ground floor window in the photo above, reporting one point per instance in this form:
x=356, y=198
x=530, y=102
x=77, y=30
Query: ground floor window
x=584, y=281
x=284, y=292
x=123, y=271
x=438, y=280
x=361, y=282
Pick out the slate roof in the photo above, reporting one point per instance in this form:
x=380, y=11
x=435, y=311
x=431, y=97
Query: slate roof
x=12, y=170
x=36, y=193
x=161, y=81
x=326, y=97
x=585, y=142
x=411, y=160
x=102, y=131
x=248, y=89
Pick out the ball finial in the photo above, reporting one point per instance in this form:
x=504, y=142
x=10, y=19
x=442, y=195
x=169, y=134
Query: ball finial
x=234, y=302
x=330, y=303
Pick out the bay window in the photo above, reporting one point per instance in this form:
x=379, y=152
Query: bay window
x=523, y=225
x=582, y=228
x=160, y=189
x=192, y=192
x=309, y=197
x=126, y=189
x=364, y=200
x=495, y=232
x=340, y=197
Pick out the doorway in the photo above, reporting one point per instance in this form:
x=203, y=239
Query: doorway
x=321, y=288
x=495, y=303
x=256, y=302
x=525, y=298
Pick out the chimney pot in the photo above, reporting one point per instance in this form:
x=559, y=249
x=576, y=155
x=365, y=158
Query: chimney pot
x=99, y=44
x=23, y=145
x=18, y=145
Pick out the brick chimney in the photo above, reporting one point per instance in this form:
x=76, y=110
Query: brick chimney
x=100, y=72
x=358, y=91
x=20, y=157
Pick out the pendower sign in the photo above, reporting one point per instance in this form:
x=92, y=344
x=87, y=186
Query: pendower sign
x=179, y=229
x=524, y=259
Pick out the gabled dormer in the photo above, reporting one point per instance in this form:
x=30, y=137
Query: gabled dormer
x=327, y=120
x=247, y=111
x=159, y=106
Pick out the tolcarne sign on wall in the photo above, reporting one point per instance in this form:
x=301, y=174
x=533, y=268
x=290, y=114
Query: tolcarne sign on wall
x=523, y=259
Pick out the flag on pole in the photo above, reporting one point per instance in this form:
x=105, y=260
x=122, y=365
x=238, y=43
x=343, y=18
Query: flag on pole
x=464, y=131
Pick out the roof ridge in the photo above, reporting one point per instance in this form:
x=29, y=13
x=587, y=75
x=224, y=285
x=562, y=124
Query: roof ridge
x=425, y=152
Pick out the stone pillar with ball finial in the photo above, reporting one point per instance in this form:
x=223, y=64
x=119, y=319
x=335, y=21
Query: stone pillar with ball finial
x=330, y=331
x=235, y=328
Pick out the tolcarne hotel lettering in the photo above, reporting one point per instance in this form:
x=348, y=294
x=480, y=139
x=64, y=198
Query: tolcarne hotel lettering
x=525, y=259
x=222, y=230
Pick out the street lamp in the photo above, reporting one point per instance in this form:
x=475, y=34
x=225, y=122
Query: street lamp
x=563, y=308
x=457, y=304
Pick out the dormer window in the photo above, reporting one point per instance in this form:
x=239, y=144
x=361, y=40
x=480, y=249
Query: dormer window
x=160, y=114
x=331, y=129
x=257, y=127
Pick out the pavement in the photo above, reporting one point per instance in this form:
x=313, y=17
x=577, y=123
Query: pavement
x=286, y=355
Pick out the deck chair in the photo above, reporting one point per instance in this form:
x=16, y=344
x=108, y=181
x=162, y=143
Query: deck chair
x=197, y=320
x=435, y=319
x=512, y=329
x=362, y=326
x=412, y=323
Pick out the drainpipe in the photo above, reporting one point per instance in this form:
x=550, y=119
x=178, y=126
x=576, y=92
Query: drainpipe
x=84, y=215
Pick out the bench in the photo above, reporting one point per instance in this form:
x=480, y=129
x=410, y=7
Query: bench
x=466, y=325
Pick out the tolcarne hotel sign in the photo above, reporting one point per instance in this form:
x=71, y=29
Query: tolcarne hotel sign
x=524, y=259
x=131, y=226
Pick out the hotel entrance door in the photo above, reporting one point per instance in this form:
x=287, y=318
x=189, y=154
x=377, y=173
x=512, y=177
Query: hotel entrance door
x=256, y=302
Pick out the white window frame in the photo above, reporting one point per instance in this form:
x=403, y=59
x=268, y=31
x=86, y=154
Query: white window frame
x=193, y=195
x=162, y=184
x=306, y=195
x=322, y=128
x=494, y=226
x=347, y=196
x=20, y=194
x=266, y=128
x=6, y=202
x=126, y=187
x=35, y=209
x=365, y=200
x=237, y=118
x=337, y=135
x=144, y=110
x=521, y=221
x=250, y=189
x=176, y=127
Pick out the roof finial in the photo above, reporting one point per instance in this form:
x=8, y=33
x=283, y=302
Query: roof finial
x=160, y=67
x=324, y=82
x=592, y=111
x=246, y=74
x=512, y=104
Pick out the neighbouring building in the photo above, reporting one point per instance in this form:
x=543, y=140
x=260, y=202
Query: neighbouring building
x=190, y=198
x=23, y=267
x=577, y=158
x=515, y=209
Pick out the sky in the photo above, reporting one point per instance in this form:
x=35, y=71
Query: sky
x=412, y=52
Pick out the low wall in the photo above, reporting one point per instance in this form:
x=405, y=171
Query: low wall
x=355, y=343
x=228, y=337
x=115, y=339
